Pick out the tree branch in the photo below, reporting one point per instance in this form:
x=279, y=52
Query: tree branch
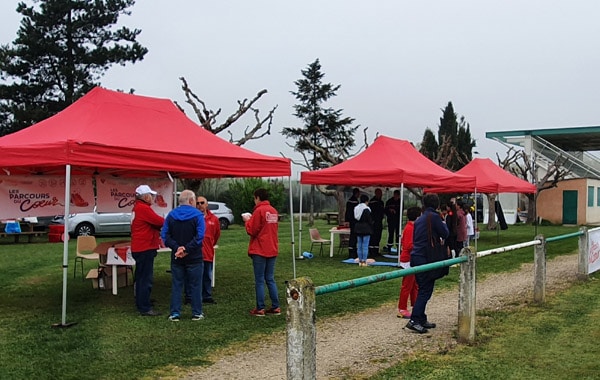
x=208, y=117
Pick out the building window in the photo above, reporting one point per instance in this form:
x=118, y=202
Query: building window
x=598, y=197
x=590, y=196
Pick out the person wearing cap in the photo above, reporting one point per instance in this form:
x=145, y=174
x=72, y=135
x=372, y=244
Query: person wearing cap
x=145, y=240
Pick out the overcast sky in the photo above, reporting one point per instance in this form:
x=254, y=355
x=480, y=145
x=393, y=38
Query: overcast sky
x=505, y=65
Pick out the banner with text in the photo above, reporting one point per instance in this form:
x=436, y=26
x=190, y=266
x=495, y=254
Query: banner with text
x=27, y=196
x=118, y=194
x=594, y=251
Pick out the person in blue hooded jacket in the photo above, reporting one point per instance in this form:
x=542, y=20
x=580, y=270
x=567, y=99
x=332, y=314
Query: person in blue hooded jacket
x=183, y=233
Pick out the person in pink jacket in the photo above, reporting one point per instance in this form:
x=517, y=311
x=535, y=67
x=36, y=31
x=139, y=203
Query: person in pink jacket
x=263, y=226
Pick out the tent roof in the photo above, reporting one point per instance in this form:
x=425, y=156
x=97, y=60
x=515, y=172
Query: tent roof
x=491, y=178
x=387, y=162
x=129, y=135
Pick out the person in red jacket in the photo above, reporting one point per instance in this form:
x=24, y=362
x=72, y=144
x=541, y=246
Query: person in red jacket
x=212, y=233
x=262, y=226
x=145, y=240
x=409, y=288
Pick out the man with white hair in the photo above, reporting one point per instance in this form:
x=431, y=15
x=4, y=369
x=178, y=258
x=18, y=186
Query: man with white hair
x=183, y=232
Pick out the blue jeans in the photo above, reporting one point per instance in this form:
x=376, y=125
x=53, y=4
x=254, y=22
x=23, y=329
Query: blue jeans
x=362, y=247
x=188, y=275
x=264, y=272
x=144, y=277
x=206, y=283
x=425, y=284
x=207, y=280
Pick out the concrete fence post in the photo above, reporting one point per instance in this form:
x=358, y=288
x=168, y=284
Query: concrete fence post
x=467, y=297
x=539, y=269
x=301, y=330
x=583, y=262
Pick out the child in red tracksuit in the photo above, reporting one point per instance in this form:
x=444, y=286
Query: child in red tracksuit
x=409, y=286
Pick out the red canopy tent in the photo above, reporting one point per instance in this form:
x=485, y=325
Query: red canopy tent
x=491, y=178
x=388, y=162
x=130, y=135
x=127, y=135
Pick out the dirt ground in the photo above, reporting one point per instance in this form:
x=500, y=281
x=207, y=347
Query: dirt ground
x=346, y=351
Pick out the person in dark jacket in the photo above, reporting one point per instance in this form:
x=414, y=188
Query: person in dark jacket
x=183, y=233
x=392, y=211
x=430, y=220
x=363, y=229
x=349, y=218
x=451, y=220
x=145, y=233
x=377, y=213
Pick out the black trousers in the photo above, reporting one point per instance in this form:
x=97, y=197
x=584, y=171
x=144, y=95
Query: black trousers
x=375, y=239
x=393, y=233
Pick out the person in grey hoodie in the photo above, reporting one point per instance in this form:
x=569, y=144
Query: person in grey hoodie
x=183, y=232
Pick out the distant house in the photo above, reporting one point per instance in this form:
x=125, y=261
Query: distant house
x=573, y=201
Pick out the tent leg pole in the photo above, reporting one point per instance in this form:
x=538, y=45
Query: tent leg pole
x=66, y=249
x=292, y=225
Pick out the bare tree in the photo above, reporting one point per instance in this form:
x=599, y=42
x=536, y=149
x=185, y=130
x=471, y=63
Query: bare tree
x=208, y=120
x=519, y=163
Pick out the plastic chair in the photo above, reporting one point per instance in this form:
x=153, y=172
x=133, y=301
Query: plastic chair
x=85, y=251
x=315, y=238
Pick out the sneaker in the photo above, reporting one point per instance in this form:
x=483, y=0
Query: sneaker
x=257, y=313
x=209, y=300
x=404, y=314
x=428, y=325
x=273, y=311
x=416, y=327
x=174, y=317
x=150, y=313
x=197, y=317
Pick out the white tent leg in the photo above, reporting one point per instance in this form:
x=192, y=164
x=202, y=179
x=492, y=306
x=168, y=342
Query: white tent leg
x=400, y=221
x=292, y=225
x=300, y=225
x=65, y=266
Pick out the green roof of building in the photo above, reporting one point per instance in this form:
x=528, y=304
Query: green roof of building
x=570, y=139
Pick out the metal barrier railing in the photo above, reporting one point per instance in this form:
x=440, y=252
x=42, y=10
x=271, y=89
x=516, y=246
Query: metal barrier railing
x=301, y=297
x=348, y=284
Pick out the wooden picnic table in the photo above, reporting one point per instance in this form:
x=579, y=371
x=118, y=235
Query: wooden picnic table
x=26, y=230
x=331, y=216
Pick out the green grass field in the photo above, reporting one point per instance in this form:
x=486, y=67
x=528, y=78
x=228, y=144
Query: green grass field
x=111, y=341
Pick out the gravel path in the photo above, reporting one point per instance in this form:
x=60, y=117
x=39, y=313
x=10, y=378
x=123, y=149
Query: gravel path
x=355, y=353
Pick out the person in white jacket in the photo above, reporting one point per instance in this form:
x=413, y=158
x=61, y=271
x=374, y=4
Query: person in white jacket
x=470, y=226
x=363, y=229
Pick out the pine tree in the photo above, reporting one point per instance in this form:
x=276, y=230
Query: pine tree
x=62, y=49
x=429, y=145
x=454, y=146
x=326, y=137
